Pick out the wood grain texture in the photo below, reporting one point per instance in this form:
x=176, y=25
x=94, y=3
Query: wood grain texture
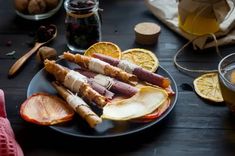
x=194, y=127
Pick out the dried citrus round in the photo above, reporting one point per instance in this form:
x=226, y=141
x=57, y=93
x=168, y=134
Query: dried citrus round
x=106, y=48
x=141, y=57
x=207, y=86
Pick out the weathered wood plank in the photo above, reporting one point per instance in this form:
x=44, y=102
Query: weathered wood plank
x=158, y=141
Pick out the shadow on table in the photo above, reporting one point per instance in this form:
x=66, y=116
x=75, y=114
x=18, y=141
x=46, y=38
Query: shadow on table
x=45, y=139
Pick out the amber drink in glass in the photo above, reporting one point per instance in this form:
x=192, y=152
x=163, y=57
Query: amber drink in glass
x=226, y=70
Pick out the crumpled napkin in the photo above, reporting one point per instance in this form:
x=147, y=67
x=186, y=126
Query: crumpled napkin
x=167, y=12
x=8, y=144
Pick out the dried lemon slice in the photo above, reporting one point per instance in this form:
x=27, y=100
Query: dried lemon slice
x=141, y=57
x=207, y=86
x=106, y=48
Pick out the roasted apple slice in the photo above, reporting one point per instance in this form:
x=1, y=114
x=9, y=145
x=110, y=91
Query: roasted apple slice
x=45, y=109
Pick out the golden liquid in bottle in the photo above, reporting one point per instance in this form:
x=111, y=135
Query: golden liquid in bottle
x=199, y=25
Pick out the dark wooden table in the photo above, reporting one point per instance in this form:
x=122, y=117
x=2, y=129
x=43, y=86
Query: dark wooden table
x=194, y=127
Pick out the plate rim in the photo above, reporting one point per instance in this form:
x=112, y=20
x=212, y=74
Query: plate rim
x=164, y=115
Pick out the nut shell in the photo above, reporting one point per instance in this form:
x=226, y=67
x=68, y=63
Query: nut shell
x=21, y=5
x=36, y=6
x=46, y=53
x=51, y=4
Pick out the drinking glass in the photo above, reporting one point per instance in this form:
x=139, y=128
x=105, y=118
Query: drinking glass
x=226, y=69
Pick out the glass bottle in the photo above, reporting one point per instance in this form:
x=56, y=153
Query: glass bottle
x=200, y=17
x=83, y=27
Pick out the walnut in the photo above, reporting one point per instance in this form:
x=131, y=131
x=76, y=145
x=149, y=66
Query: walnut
x=46, y=53
x=36, y=6
x=21, y=5
x=51, y=4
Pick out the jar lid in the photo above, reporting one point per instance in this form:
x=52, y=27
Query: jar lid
x=147, y=33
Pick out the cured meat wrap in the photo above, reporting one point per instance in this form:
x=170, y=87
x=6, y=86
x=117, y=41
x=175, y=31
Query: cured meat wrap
x=100, y=89
x=101, y=67
x=78, y=105
x=111, y=84
x=142, y=74
x=75, y=82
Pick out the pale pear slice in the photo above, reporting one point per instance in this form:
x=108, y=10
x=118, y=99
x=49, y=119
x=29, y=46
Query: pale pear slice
x=142, y=103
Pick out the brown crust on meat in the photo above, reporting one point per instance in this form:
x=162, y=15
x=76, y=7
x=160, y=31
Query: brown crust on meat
x=55, y=69
x=91, y=95
x=82, y=61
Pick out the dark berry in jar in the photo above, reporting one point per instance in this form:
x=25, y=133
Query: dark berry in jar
x=82, y=3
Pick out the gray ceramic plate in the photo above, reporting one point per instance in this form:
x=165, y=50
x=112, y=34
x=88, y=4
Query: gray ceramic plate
x=107, y=129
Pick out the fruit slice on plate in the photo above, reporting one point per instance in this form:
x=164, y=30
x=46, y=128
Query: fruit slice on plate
x=141, y=57
x=45, y=109
x=207, y=87
x=156, y=113
x=142, y=103
x=106, y=48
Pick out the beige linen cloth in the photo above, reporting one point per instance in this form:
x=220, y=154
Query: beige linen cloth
x=167, y=12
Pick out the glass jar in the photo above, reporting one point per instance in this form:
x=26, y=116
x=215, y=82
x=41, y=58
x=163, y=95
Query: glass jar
x=199, y=17
x=83, y=27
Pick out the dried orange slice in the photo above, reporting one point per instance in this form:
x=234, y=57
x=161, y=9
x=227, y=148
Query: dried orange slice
x=207, y=87
x=45, y=109
x=106, y=48
x=141, y=57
